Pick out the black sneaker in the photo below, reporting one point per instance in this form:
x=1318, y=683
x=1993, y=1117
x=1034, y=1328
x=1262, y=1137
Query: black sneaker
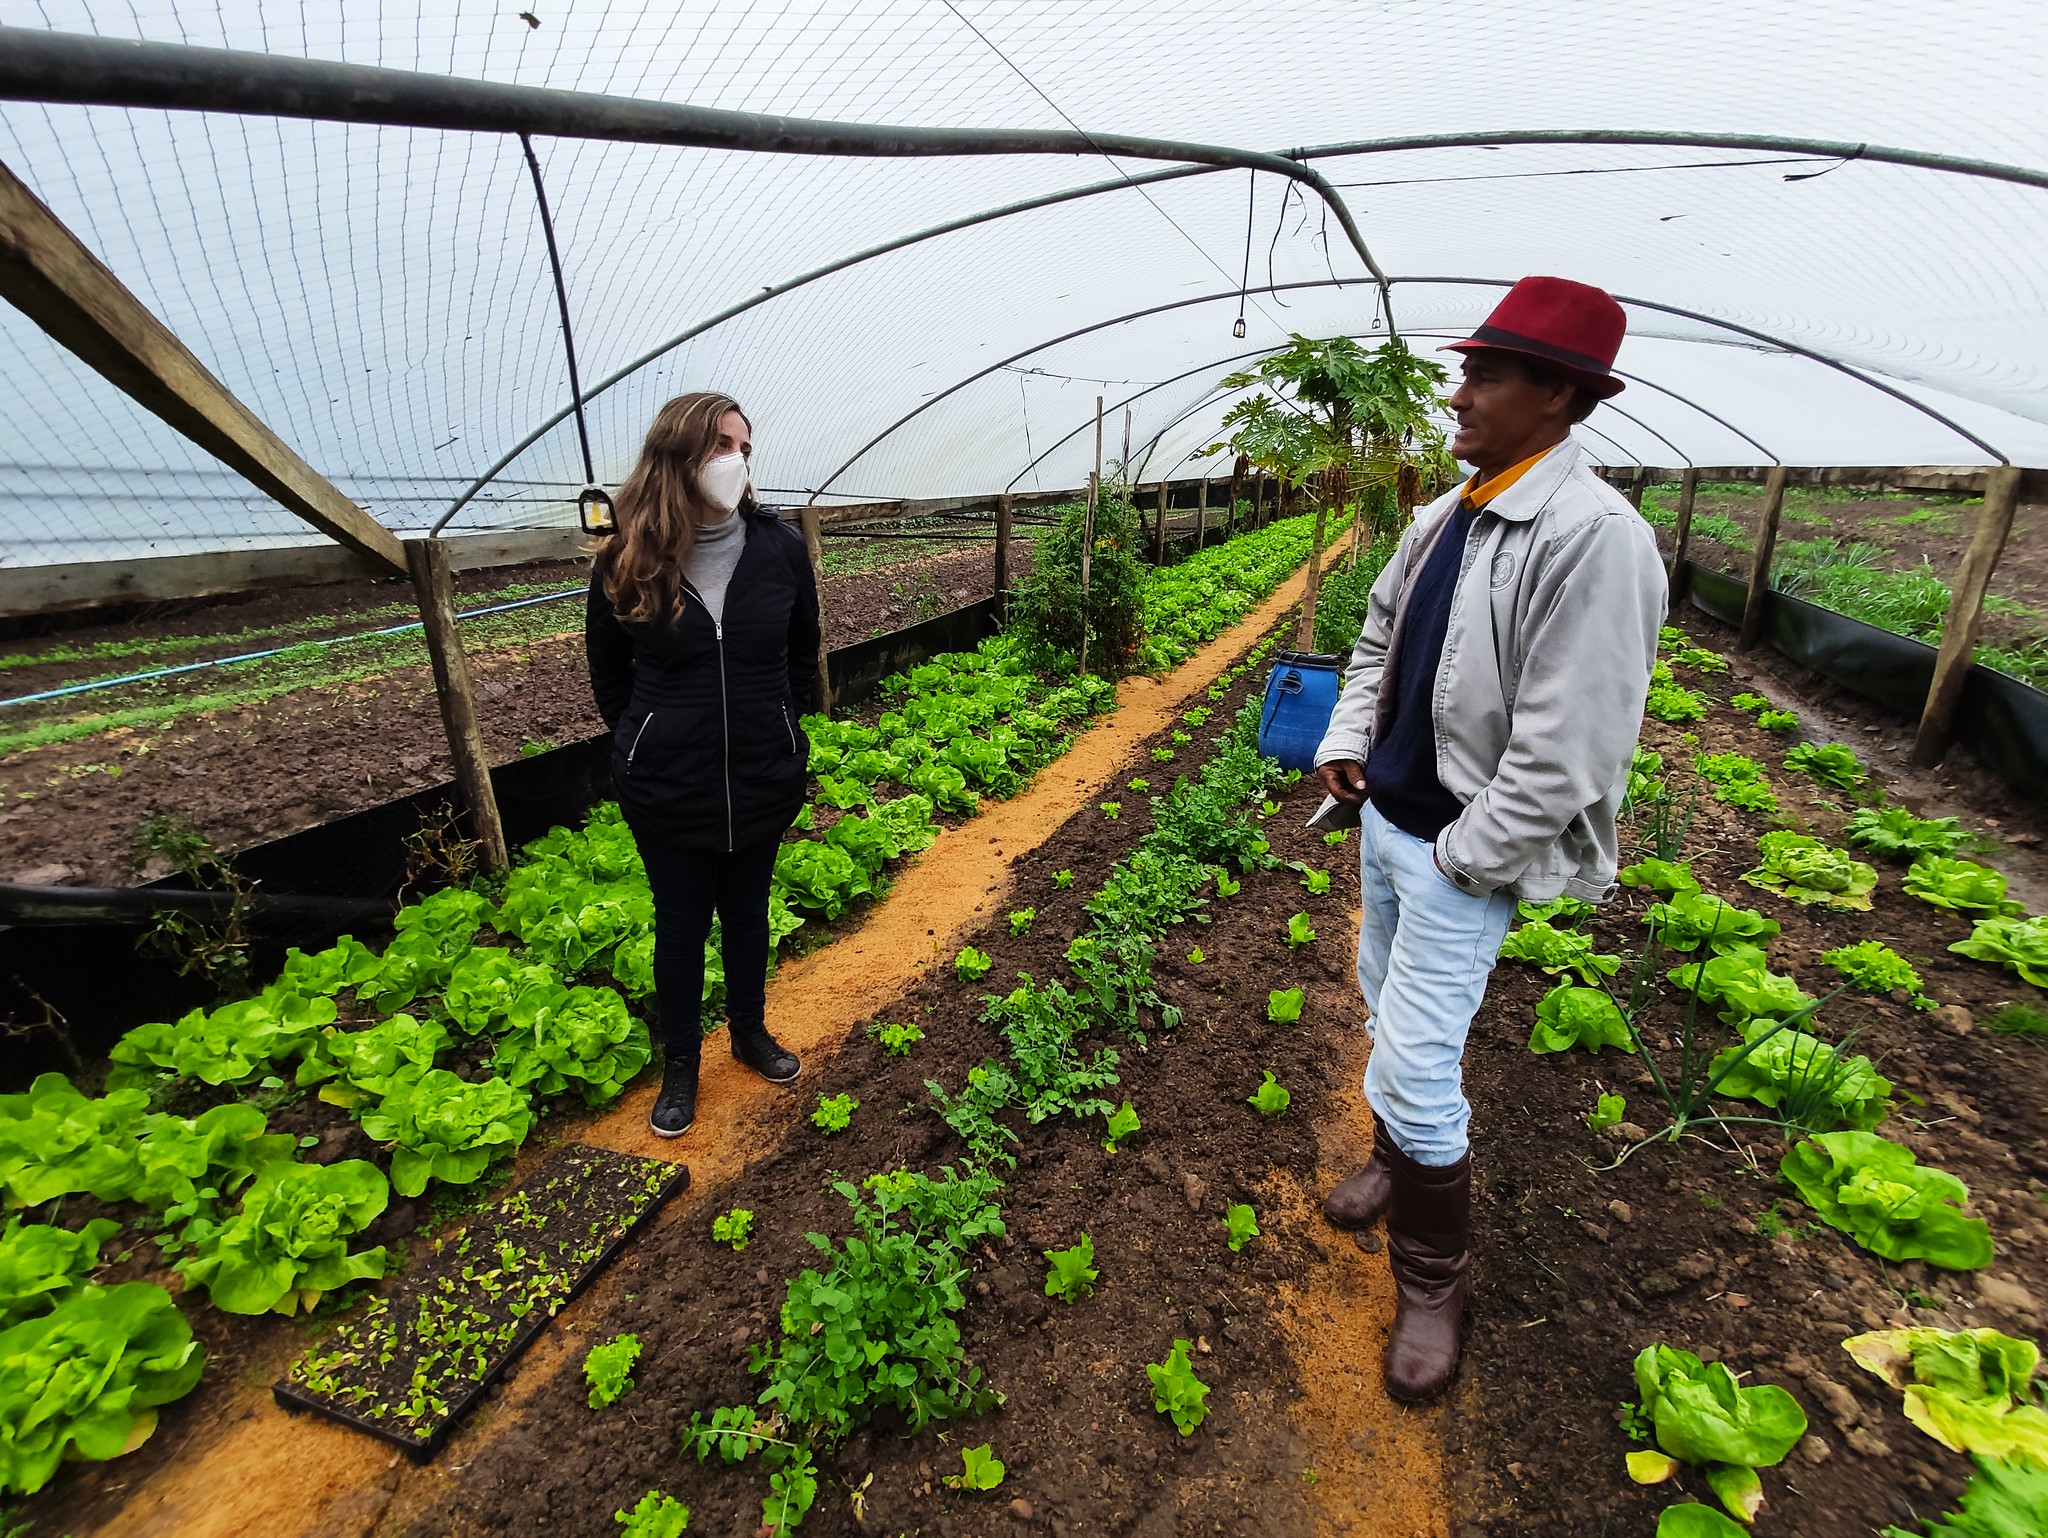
x=675, y=1108
x=757, y=1050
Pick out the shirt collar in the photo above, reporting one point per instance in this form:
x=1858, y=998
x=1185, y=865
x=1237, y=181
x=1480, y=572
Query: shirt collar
x=1521, y=489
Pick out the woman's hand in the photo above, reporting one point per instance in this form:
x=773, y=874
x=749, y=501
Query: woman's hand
x=1344, y=778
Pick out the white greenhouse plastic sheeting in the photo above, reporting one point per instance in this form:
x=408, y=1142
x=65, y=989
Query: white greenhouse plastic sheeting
x=381, y=296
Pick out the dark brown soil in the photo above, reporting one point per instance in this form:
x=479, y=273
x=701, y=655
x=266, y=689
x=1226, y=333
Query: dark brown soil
x=1581, y=1267
x=69, y=813
x=1086, y=1452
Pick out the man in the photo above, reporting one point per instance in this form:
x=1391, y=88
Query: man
x=1483, y=738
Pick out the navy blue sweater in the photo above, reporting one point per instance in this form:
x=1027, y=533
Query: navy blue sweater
x=1400, y=774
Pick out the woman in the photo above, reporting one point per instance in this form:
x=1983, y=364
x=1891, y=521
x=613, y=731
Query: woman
x=702, y=633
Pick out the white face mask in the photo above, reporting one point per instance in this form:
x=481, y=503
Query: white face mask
x=724, y=480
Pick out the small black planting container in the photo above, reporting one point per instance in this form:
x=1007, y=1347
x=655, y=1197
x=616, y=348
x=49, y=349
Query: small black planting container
x=413, y=1363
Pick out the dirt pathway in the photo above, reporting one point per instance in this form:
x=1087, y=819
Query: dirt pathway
x=259, y=1471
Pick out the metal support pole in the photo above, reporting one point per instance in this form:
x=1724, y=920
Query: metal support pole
x=1965, y=614
x=1003, y=507
x=433, y=582
x=1760, y=564
x=1088, y=530
x=814, y=542
x=1681, y=574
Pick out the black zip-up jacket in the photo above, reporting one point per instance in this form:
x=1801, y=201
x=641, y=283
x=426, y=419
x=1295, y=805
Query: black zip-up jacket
x=706, y=750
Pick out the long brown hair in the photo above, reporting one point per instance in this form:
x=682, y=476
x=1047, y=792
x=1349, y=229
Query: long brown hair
x=660, y=508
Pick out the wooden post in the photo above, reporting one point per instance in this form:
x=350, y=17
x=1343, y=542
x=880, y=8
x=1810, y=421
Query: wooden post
x=1636, y=482
x=433, y=582
x=1159, y=530
x=1259, y=501
x=1760, y=564
x=814, y=542
x=1681, y=574
x=1305, y=635
x=1088, y=530
x=1003, y=504
x=1237, y=469
x=1201, y=512
x=49, y=275
x=1965, y=613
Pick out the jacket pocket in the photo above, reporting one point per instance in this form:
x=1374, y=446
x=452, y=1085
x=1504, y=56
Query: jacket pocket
x=645, y=722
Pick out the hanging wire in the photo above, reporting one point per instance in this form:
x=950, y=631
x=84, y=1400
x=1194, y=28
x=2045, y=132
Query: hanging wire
x=1244, y=281
x=547, y=224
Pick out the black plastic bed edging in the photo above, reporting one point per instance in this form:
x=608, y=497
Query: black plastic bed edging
x=2003, y=721
x=290, y=1396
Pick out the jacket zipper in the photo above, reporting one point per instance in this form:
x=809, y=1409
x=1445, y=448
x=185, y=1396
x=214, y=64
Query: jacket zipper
x=635, y=748
x=788, y=727
x=724, y=717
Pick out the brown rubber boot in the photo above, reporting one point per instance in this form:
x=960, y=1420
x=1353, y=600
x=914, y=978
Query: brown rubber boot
x=1360, y=1200
x=1429, y=1234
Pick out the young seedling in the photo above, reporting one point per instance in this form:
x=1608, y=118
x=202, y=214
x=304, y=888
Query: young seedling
x=1112, y=810
x=1182, y=739
x=971, y=963
x=834, y=1113
x=1020, y=921
x=1283, y=1005
x=1176, y=1392
x=734, y=1228
x=1139, y=786
x=608, y=1369
x=657, y=1516
x=896, y=1039
x=1317, y=881
x=1243, y=1224
x=1335, y=836
x=1162, y=755
x=1227, y=885
x=1268, y=808
x=1300, y=931
x=1072, y=1271
x=1195, y=957
x=1062, y=879
x=1270, y=1098
x=1607, y=1112
x=981, y=1469
x=1121, y=1123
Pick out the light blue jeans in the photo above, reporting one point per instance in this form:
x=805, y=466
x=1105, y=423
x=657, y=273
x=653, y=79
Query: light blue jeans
x=1424, y=951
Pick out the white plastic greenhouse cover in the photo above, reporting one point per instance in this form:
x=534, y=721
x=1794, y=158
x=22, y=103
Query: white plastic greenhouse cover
x=381, y=296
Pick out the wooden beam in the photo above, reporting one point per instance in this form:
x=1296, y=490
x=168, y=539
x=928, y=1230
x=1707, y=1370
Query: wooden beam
x=814, y=542
x=1201, y=512
x=1965, y=614
x=1305, y=633
x=1760, y=564
x=49, y=275
x=1003, y=556
x=1681, y=574
x=1088, y=530
x=1237, y=469
x=1159, y=529
x=434, y=586
x=1636, y=483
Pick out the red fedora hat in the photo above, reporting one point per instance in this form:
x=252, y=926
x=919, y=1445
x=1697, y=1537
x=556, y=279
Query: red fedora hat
x=1574, y=327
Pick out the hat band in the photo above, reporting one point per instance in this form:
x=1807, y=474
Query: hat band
x=1494, y=336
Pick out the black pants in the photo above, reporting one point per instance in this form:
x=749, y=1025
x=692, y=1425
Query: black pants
x=689, y=884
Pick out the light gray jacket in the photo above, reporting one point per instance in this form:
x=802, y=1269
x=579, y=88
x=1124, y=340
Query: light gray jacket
x=1539, y=697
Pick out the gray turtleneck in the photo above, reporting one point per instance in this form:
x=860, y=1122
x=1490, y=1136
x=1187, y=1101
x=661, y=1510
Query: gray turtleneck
x=712, y=559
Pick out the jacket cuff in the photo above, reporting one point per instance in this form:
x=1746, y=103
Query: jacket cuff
x=1356, y=746
x=1458, y=875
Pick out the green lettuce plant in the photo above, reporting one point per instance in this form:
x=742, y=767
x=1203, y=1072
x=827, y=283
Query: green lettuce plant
x=234, y=1044
x=1876, y=968
x=1700, y=1413
x=55, y=1141
x=608, y=1369
x=2020, y=944
x=1878, y=1194
x=1283, y=1005
x=971, y=963
x=288, y=1245
x=1176, y=1392
x=1829, y=763
x=980, y=1469
x=485, y=983
x=1556, y=912
x=1666, y=878
x=1961, y=886
x=187, y=1169
x=1807, y=871
x=1897, y=834
x=354, y=1066
x=834, y=1113
x=1120, y=1124
x=1689, y=919
x=1299, y=930
x=1607, y=1112
x=1270, y=1098
x=1241, y=1224
x=1973, y=1391
x=1071, y=1272
x=84, y=1380
x=1558, y=951
x=1644, y=782
x=444, y=1128
x=1805, y=1079
x=583, y=1039
x=657, y=1515
x=1674, y=702
x=2002, y=1499
x=734, y=1228
x=896, y=1039
x=41, y=1265
x=1570, y=1016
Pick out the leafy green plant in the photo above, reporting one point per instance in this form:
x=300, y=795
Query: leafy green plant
x=1878, y=1194
x=980, y=1469
x=234, y=1044
x=1554, y=912
x=896, y=1040
x=2017, y=1019
x=1811, y=1083
x=1242, y=1224
x=1558, y=951
x=1071, y=1272
x=1176, y=1392
x=1700, y=1413
x=656, y=1516
x=735, y=1228
x=1644, y=783
x=1300, y=931
x=355, y=1066
x=1195, y=957
x=834, y=1113
x=1743, y=988
x=1335, y=836
x=1062, y=879
x=1690, y=1519
x=1960, y=886
x=1778, y=721
x=1112, y=810
x=1830, y=763
x=1607, y=1111
x=1270, y=1098
x=971, y=963
x=1971, y=1390
x=1020, y=921
x=2002, y=1499
x=1896, y=833
x=1700, y=658
x=1666, y=878
x=1807, y=871
x=55, y=1141
x=288, y=1245
x=1569, y=1016
x=41, y=1265
x=1876, y=968
x=1120, y=1124
x=84, y=1380
x=1750, y=702
x=1317, y=881
x=1691, y=919
x=1283, y=1005
x=1227, y=885
x=2021, y=944
x=608, y=1369
x=443, y=1128
x=1674, y=702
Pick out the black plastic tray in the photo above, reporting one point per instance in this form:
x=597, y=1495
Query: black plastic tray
x=422, y=1447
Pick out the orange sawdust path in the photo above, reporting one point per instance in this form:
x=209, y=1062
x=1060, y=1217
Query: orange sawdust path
x=256, y=1472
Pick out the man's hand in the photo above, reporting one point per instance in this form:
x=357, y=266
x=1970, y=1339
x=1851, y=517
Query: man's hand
x=1344, y=778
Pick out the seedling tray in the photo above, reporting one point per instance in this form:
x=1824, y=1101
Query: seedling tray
x=412, y=1363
